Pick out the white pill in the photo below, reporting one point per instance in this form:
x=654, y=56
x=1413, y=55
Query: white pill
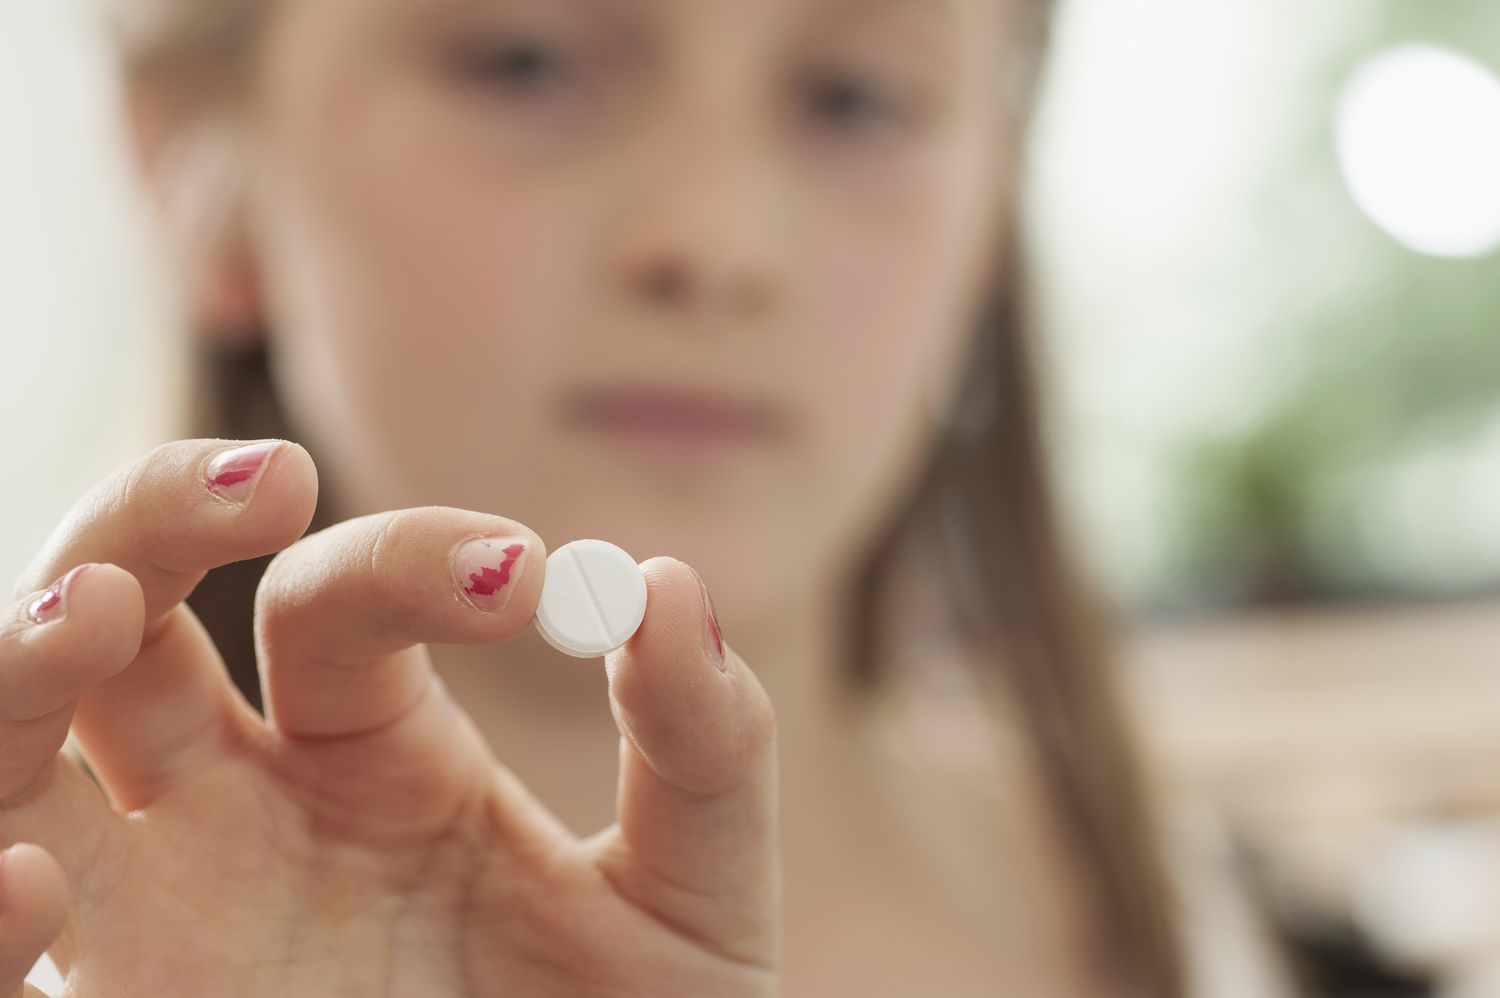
x=593, y=598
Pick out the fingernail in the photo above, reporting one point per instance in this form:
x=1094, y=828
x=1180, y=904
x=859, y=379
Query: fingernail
x=714, y=637
x=52, y=604
x=486, y=569
x=234, y=473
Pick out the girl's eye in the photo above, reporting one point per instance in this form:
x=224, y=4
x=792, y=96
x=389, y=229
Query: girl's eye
x=851, y=103
x=521, y=67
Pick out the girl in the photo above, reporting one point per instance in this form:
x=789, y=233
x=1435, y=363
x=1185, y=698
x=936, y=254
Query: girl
x=730, y=283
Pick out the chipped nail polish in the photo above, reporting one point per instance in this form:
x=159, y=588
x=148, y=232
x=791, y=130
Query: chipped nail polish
x=52, y=604
x=233, y=474
x=486, y=569
x=714, y=637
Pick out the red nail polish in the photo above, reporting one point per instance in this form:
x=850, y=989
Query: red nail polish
x=486, y=568
x=711, y=622
x=52, y=604
x=234, y=474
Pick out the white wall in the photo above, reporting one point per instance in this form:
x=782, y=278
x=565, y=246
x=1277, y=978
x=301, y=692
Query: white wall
x=85, y=369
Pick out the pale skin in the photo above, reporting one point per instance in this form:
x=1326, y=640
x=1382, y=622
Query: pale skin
x=444, y=254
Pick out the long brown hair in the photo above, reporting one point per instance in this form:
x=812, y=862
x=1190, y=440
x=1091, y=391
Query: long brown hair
x=1040, y=636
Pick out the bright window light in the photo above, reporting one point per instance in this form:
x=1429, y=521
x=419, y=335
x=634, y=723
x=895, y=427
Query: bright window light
x=1418, y=133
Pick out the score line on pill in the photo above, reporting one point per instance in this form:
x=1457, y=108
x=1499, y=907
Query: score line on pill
x=593, y=598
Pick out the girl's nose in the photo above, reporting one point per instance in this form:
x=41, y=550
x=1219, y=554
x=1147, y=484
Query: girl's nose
x=687, y=279
x=701, y=219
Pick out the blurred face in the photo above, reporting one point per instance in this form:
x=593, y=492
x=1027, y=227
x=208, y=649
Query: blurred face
x=688, y=276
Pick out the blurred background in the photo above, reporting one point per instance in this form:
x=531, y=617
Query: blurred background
x=1266, y=241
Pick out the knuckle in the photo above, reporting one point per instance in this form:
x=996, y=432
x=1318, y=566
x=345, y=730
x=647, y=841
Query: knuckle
x=137, y=486
x=286, y=591
x=121, y=500
x=284, y=582
x=383, y=548
x=128, y=490
x=268, y=590
x=365, y=553
x=12, y=626
x=137, y=497
x=388, y=562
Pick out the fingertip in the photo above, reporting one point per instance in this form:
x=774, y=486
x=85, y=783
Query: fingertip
x=33, y=901
x=287, y=495
x=110, y=597
x=85, y=628
x=30, y=877
x=498, y=568
x=674, y=609
x=97, y=608
x=700, y=727
x=667, y=638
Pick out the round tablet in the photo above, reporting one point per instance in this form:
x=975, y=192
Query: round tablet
x=593, y=598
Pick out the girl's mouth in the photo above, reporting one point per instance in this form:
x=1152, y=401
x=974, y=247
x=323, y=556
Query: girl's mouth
x=660, y=415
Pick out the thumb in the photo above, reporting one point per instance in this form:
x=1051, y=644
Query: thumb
x=696, y=842
x=33, y=906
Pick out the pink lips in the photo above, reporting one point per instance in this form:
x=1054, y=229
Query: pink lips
x=667, y=415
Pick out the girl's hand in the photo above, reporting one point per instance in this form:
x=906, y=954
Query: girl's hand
x=361, y=839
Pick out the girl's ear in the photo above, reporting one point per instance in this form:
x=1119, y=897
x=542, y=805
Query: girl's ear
x=195, y=171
